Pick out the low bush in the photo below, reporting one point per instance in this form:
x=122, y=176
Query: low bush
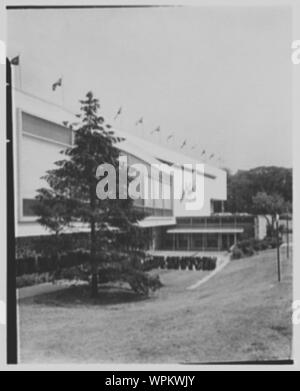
x=183, y=263
x=142, y=283
x=162, y=262
x=198, y=263
x=190, y=262
x=173, y=263
x=248, y=247
x=237, y=253
x=33, y=279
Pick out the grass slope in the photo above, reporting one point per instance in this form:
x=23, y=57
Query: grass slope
x=240, y=314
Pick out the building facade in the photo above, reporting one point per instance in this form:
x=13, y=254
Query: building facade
x=39, y=137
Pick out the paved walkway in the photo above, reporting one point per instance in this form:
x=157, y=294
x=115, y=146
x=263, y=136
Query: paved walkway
x=176, y=253
x=223, y=261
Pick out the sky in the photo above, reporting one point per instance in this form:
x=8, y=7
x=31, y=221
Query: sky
x=218, y=77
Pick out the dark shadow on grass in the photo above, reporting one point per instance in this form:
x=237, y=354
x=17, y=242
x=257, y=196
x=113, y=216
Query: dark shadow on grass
x=78, y=295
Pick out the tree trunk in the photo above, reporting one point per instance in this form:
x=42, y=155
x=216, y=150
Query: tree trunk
x=94, y=282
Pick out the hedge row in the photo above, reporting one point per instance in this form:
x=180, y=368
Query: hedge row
x=111, y=272
x=42, y=264
x=187, y=263
x=40, y=246
x=248, y=247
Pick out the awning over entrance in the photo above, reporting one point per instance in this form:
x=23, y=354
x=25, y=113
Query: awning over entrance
x=159, y=221
x=204, y=230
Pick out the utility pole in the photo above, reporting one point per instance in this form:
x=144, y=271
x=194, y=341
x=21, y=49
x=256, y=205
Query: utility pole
x=11, y=313
x=287, y=236
x=278, y=248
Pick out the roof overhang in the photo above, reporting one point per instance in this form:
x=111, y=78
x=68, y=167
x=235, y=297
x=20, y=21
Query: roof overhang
x=205, y=230
x=159, y=221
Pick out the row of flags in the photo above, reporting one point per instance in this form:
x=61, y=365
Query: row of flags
x=169, y=137
x=59, y=83
x=16, y=61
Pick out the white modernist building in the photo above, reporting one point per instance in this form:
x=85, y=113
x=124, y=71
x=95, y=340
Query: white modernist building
x=39, y=136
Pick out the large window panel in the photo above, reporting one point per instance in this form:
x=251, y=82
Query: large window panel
x=46, y=129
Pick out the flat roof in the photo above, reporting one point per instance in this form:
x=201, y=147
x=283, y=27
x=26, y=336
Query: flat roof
x=156, y=221
x=204, y=230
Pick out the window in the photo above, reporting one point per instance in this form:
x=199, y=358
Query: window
x=139, y=202
x=198, y=220
x=46, y=129
x=183, y=242
x=197, y=241
x=217, y=206
x=28, y=205
x=183, y=221
x=212, y=241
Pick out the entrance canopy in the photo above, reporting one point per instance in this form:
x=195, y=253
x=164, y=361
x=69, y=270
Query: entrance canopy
x=159, y=221
x=215, y=230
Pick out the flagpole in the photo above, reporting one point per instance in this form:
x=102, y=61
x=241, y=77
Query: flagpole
x=120, y=120
x=16, y=74
x=20, y=72
x=62, y=90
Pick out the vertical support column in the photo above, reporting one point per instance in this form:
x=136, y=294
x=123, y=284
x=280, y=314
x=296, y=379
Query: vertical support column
x=189, y=241
x=287, y=237
x=204, y=241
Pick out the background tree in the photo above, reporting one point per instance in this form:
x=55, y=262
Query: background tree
x=70, y=197
x=245, y=184
x=269, y=205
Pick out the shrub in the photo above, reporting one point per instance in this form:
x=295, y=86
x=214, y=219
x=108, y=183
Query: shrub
x=162, y=262
x=190, y=263
x=248, y=247
x=114, y=266
x=142, y=283
x=183, y=263
x=237, y=253
x=249, y=251
x=176, y=263
x=263, y=245
x=198, y=263
x=33, y=279
x=169, y=263
x=272, y=242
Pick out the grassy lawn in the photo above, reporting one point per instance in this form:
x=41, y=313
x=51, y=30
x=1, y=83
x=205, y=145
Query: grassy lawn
x=240, y=314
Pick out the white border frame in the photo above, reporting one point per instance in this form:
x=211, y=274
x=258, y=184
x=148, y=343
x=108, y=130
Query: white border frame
x=296, y=177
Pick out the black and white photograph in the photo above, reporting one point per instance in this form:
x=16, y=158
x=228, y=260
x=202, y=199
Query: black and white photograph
x=150, y=184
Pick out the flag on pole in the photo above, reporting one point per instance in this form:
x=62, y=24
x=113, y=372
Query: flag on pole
x=140, y=121
x=183, y=144
x=58, y=83
x=156, y=130
x=15, y=60
x=118, y=113
x=170, y=136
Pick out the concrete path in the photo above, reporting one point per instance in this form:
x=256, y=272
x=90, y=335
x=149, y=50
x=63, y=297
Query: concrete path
x=223, y=262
